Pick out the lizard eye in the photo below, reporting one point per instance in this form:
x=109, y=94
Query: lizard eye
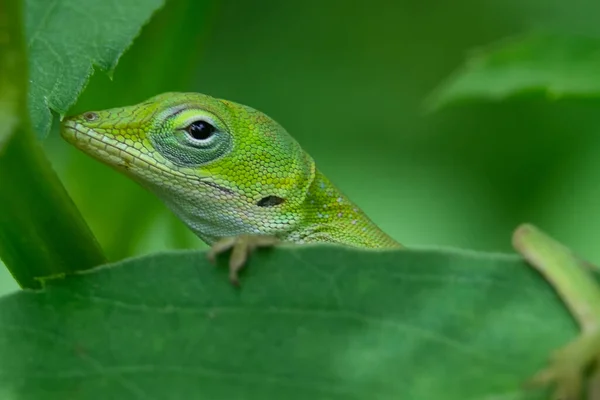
x=90, y=116
x=200, y=130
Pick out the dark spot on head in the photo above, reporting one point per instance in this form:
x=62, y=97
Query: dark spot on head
x=270, y=201
x=90, y=116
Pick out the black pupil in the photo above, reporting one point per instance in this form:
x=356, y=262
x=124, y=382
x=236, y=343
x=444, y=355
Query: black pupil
x=201, y=130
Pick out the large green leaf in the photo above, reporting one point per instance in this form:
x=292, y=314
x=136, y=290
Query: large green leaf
x=558, y=66
x=67, y=38
x=308, y=323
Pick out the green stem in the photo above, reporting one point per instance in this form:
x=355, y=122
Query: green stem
x=41, y=231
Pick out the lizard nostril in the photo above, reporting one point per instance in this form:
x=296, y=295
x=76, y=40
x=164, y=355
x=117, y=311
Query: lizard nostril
x=90, y=116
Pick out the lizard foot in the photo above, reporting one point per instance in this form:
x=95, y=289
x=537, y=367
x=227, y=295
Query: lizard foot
x=241, y=247
x=573, y=280
x=568, y=366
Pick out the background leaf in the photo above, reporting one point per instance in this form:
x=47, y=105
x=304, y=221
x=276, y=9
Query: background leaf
x=312, y=322
x=66, y=39
x=554, y=65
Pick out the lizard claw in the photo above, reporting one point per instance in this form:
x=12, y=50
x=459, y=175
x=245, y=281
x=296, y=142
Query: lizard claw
x=241, y=247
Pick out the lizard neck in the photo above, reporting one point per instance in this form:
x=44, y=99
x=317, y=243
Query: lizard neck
x=331, y=217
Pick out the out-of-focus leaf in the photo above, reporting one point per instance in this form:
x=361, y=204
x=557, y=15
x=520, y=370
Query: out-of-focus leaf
x=557, y=66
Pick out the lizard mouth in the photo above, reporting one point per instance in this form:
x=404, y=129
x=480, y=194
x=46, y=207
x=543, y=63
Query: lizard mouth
x=124, y=157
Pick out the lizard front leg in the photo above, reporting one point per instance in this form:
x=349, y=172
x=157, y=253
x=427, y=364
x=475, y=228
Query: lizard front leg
x=241, y=246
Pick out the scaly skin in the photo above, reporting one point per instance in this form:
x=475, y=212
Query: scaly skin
x=250, y=178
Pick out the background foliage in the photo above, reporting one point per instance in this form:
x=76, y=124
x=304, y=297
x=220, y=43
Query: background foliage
x=350, y=81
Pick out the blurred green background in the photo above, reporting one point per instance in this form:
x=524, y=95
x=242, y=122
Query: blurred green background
x=349, y=79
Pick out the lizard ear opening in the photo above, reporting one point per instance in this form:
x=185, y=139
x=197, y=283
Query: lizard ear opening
x=270, y=201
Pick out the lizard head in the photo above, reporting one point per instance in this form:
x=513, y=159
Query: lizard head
x=224, y=168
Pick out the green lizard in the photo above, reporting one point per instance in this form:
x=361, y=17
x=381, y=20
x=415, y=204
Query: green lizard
x=234, y=176
x=239, y=180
